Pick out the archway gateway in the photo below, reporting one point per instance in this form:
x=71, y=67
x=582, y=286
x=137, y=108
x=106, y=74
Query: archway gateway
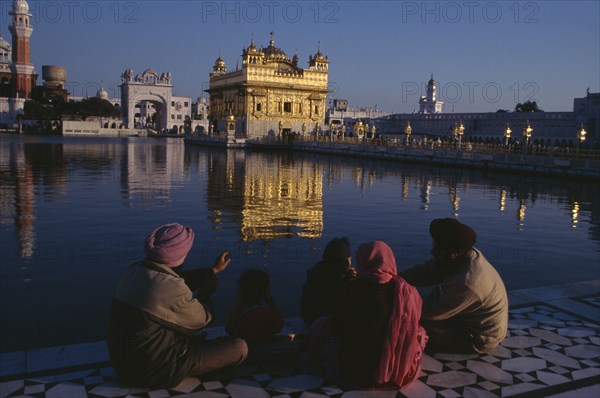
x=152, y=92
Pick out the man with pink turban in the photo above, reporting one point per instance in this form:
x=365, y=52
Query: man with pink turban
x=468, y=309
x=154, y=316
x=376, y=323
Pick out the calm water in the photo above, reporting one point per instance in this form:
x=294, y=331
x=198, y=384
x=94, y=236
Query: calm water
x=74, y=213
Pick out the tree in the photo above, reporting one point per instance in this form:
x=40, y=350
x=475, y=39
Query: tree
x=527, y=106
x=56, y=109
x=34, y=110
x=501, y=111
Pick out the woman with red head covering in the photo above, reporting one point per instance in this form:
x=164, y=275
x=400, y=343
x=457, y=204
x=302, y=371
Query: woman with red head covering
x=377, y=323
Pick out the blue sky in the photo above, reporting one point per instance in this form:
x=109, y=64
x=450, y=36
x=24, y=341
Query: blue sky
x=485, y=55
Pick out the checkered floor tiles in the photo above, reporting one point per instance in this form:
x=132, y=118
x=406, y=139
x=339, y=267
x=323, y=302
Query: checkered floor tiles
x=549, y=351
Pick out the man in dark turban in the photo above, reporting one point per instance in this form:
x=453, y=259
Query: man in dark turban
x=154, y=318
x=468, y=309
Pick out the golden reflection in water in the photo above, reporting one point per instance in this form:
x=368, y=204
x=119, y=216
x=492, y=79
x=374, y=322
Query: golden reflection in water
x=575, y=214
x=281, y=201
x=521, y=214
x=503, y=194
x=455, y=199
x=357, y=175
x=405, y=188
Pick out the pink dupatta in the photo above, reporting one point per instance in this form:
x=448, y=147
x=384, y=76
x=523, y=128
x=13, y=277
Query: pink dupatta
x=406, y=339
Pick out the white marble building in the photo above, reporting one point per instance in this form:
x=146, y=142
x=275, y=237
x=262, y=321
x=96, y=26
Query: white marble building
x=147, y=98
x=342, y=117
x=428, y=103
x=200, y=111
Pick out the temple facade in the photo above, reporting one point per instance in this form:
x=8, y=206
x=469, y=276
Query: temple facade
x=270, y=94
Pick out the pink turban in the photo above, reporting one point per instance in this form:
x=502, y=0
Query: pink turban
x=169, y=244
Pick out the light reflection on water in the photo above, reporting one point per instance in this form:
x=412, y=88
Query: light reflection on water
x=74, y=213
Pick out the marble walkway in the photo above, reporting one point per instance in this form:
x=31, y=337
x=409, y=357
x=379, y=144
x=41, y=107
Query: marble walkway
x=552, y=350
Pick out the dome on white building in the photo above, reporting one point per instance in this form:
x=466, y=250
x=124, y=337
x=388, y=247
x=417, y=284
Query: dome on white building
x=102, y=94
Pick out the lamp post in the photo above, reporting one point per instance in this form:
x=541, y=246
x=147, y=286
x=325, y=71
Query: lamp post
x=359, y=130
x=408, y=132
x=526, y=136
x=459, y=130
x=303, y=129
x=343, y=130
x=581, y=135
x=331, y=131
x=507, y=134
x=317, y=126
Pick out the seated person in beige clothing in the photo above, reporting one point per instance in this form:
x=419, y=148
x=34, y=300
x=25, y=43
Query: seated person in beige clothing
x=468, y=309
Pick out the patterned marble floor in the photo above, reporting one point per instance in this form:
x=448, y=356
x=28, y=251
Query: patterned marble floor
x=553, y=349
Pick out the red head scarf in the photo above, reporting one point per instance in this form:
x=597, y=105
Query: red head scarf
x=405, y=341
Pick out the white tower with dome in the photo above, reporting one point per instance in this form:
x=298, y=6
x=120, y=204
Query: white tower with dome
x=428, y=103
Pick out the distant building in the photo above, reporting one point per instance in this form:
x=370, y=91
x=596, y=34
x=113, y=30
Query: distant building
x=5, y=72
x=428, y=103
x=270, y=94
x=101, y=93
x=547, y=126
x=147, y=100
x=200, y=113
x=341, y=117
x=53, y=87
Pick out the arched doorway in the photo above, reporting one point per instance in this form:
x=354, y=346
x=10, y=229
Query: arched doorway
x=149, y=114
x=145, y=98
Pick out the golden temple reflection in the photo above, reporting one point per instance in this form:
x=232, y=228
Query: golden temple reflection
x=521, y=214
x=286, y=202
x=575, y=214
x=503, y=194
x=455, y=199
x=357, y=174
x=265, y=200
x=405, y=188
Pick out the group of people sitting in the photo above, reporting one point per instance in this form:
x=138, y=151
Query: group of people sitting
x=366, y=327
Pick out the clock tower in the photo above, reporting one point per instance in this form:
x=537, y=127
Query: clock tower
x=24, y=78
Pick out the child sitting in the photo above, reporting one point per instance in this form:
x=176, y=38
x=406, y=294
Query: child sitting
x=255, y=318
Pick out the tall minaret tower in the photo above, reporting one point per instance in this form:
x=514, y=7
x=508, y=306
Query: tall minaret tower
x=428, y=103
x=24, y=77
x=431, y=90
